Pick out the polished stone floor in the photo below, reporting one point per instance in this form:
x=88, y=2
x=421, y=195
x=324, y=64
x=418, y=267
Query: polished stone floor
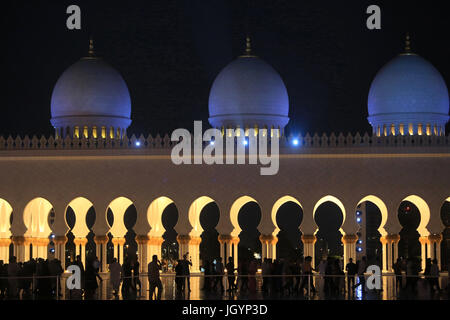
x=388, y=292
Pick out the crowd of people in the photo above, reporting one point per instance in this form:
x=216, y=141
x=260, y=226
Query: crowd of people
x=39, y=278
x=36, y=278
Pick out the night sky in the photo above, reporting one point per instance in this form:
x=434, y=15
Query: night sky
x=169, y=53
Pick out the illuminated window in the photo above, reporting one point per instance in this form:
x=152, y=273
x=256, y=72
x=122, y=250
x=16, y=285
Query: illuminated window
x=103, y=132
x=94, y=132
x=118, y=133
x=238, y=132
x=384, y=130
x=76, y=132
x=111, y=132
x=401, y=128
x=410, y=129
x=428, y=129
x=393, y=129
x=378, y=131
x=256, y=130
x=435, y=130
x=85, y=132
x=419, y=129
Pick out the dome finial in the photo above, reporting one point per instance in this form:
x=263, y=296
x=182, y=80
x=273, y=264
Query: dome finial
x=91, y=52
x=248, y=46
x=407, y=43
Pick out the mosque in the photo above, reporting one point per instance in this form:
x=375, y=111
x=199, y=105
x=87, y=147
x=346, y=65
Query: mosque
x=92, y=162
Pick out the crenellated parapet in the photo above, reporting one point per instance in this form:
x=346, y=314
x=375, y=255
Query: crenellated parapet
x=163, y=142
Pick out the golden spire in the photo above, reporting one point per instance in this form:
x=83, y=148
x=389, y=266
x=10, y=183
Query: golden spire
x=248, y=48
x=91, y=52
x=408, y=43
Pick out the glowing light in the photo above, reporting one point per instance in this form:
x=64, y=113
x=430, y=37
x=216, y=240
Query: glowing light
x=359, y=241
x=358, y=213
x=138, y=143
x=359, y=249
x=295, y=142
x=211, y=143
x=358, y=220
x=245, y=142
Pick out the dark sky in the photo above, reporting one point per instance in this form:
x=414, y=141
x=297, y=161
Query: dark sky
x=169, y=53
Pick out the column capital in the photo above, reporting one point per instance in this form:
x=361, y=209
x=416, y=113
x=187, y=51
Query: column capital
x=5, y=242
x=80, y=241
x=424, y=240
x=308, y=238
x=183, y=238
x=235, y=240
x=101, y=239
x=195, y=240
x=223, y=238
x=268, y=238
x=393, y=238
x=349, y=238
x=60, y=239
x=21, y=240
x=40, y=241
x=435, y=238
x=118, y=241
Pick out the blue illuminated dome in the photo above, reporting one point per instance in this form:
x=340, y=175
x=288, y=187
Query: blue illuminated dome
x=408, y=96
x=91, y=96
x=248, y=92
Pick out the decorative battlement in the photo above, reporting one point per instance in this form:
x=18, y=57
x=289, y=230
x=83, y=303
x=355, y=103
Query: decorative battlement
x=158, y=142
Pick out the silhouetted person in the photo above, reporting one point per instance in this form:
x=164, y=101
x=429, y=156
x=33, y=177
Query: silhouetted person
x=398, y=274
x=44, y=286
x=154, y=279
x=434, y=276
x=362, y=267
x=91, y=276
x=56, y=270
x=308, y=276
x=136, y=280
x=115, y=276
x=126, y=278
x=186, y=270
x=13, y=270
x=352, y=270
x=179, y=278
x=230, y=274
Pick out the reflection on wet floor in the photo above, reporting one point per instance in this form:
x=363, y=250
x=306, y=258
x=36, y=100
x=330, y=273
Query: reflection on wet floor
x=388, y=292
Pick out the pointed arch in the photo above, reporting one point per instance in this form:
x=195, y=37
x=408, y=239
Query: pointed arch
x=234, y=212
x=337, y=202
x=277, y=206
x=5, y=218
x=118, y=207
x=424, y=211
x=80, y=207
x=194, y=214
x=383, y=209
x=35, y=218
x=154, y=215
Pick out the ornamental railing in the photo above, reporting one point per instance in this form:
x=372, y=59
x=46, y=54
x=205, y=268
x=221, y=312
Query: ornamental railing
x=158, y=142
